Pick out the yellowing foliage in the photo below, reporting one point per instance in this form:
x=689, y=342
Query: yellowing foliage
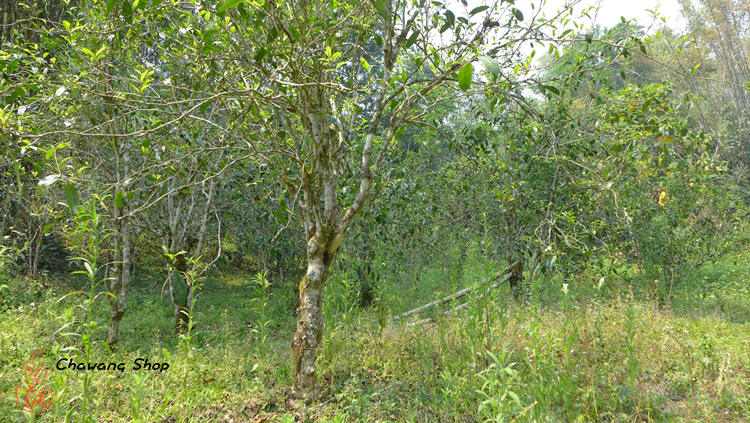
x=666, y=139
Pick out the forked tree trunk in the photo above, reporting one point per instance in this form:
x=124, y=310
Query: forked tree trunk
x=179, y=222
x=311, y=319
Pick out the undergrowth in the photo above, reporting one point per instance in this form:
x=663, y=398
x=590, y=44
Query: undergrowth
x=592, y=351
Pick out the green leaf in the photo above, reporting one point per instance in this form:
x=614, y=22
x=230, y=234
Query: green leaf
x=412, y=39
x=515, y=397
x=491, y=65
x=464, y=76
x=479, y=9
x=382, y=7
x=641, y=46
x=89, y=270
x=552, y=89
x=228, y=5
x=110, y=6
x=127, y=11
x=450, y=18
x=365, y=64
x=517, y=13
x=118, y=199
x=71, y=196
x=400, y=133
x=294, y=32
x=646, y=104
x=260, y=54
x=49, y=180
x=11, y=67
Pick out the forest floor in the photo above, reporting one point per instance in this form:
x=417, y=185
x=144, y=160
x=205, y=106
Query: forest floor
x=582, y=356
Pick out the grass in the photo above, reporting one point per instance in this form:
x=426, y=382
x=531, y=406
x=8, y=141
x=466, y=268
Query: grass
x=585, y=356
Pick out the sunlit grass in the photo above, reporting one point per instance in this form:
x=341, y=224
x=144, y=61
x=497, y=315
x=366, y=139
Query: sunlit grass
x=586, y=358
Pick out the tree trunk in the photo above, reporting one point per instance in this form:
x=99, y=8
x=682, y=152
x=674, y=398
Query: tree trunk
x=516, y=281
x=174, y=209
x=310, y=324
x=119, y=284
x=121, y=279
x=37, y=252
x=114, y=286
x=204, y=219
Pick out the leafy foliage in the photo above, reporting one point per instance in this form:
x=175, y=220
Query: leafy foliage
x=336, y=163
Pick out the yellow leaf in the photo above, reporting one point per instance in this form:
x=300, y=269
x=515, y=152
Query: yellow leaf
x=666, y=138
x=662, y=197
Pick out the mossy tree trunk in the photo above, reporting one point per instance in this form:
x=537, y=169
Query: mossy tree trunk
x=311, y=320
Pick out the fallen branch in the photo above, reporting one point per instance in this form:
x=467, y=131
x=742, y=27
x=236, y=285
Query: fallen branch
x=458, y=294
x=464, y=305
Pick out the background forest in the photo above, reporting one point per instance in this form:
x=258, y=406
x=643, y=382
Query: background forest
x=386, y=210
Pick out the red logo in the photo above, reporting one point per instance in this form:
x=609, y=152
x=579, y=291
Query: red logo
x=32, y=394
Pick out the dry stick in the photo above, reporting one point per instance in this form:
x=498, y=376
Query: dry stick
x=464, y=305
x=523, y=412
x=458, y=294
